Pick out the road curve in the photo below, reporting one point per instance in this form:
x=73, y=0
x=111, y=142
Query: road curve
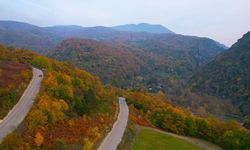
x=114, y=137
x=20, y=110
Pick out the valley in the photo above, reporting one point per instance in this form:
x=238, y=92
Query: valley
x=183, y=92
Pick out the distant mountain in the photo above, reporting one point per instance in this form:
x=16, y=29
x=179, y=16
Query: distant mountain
x=143, y=27
x=156, y=62
x=228, y=76
x=42, y=39
x=25, y=35
x=98, y=33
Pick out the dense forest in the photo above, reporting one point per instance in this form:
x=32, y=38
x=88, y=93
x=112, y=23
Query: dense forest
x=156, y=111
x=73, y=108
x=113, y=65
x=137, y=60
x=228, y=76
x=161, y=62
x=14, y=78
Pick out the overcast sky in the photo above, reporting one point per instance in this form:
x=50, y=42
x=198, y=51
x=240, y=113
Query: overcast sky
x=222, y=20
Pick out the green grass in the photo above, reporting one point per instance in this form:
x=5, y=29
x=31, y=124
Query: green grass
x=152, y=140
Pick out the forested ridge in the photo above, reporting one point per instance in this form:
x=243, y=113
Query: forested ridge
x=160, y=62
x=163, y=62
x=113, y=65
x=228, y=76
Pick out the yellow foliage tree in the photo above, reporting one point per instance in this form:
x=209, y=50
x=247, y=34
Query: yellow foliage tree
x=99, y=88
x=51, y=84
x=60, y=105
x=160, y=95
x=87, y=145
x=55, y=108
x=67, y=78
x=25, y=75
x=96, y=132
x=36, y=118
x=44, y=102
x=63, y=79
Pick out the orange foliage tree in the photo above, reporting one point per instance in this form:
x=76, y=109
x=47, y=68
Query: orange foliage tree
x=38, y=139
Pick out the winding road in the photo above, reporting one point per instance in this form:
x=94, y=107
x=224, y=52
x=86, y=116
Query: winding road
x=20, y=110
x=114, y=137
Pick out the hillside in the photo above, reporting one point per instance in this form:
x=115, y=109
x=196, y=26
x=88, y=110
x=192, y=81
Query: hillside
x=72, y=105
x=149, y=139
x=156, y=111
x=14, y=78
x=42, y=39
x=156, y=63
x=228, y=76
x=143, y=27
x=137, y=60
x=74, y=111
x=113, y=65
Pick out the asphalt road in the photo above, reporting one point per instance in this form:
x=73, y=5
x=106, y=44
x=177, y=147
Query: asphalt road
x=114, y=137
x=20, y=110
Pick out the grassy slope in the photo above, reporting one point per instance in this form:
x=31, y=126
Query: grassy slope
x=151, y=140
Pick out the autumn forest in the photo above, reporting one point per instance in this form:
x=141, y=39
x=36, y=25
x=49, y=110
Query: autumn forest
x=69, y=87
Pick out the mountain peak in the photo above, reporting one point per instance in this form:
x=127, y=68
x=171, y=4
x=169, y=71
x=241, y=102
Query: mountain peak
x=143, y=27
